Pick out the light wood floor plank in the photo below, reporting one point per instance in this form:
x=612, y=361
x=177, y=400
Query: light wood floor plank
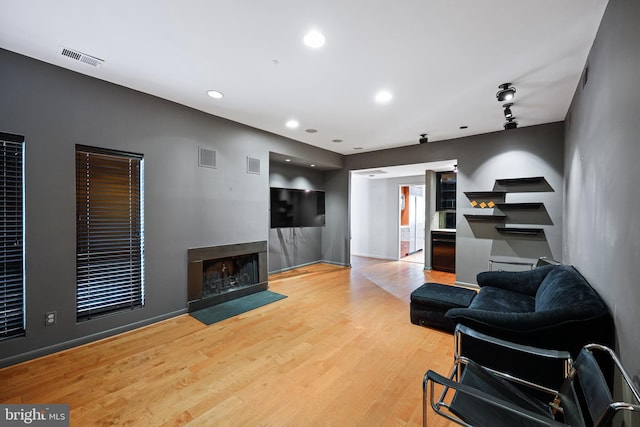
x=339, y=351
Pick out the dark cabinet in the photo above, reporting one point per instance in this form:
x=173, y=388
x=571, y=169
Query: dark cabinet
x=445, y=191
x=443, y=251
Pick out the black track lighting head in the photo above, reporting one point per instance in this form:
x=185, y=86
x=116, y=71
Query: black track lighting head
x=506, y=92
x=423, y=138
x=508, y=114
x=510, y=123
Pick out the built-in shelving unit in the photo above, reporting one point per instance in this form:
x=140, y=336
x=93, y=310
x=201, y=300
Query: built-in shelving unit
x=497, y=199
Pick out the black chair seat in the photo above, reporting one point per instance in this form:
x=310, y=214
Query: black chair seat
x=476, y=412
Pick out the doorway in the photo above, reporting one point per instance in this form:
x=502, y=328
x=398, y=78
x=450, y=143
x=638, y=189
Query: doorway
x=412, y=223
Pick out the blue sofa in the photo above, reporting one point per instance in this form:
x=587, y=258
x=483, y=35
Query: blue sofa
x=551, y=307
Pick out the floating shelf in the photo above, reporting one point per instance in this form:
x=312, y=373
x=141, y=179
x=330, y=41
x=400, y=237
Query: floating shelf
x=520, y=231
x=485, y=194
x=523, y=206
x=485, y=218
x=520, y=181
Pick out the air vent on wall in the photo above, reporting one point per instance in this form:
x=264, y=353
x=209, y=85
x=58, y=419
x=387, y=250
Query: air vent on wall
x=253, y=165
x=81, y=57
x=207, y=158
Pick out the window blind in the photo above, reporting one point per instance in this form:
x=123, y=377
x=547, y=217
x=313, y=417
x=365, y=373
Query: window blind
x=11, y=236
x=109, y=232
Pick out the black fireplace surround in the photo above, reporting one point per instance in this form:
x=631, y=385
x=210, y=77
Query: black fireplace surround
x=217, y=274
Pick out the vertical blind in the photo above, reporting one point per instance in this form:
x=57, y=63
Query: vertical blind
x=11, y=237
x=109, y=232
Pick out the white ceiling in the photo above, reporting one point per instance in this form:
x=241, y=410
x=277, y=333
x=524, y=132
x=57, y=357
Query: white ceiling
x=442, y=60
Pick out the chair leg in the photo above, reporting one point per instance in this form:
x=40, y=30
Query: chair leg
x=429, y=391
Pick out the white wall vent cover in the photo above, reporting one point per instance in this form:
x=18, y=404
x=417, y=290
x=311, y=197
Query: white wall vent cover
x=370, y=172
x=207, y=158
x=253, y=165
x=81, y=57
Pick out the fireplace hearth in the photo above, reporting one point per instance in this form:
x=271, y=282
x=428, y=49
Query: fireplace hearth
x=222, y=273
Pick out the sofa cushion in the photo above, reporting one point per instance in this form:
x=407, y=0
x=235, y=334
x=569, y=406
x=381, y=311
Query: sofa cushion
x=503, y=301
x=524, y=282
x=564, y=288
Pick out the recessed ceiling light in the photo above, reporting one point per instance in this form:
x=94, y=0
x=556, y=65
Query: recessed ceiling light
x=464, y=127
x=292, y=124
x=314, y=39
x=337, y=141
x=215, y=94
x=311, y=130
x=312, y=165
x=383, y=96
x=357, y=148
x=287, y=160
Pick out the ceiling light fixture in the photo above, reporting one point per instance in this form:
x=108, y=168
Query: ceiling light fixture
x=510, y=123
x=292, y=124
x=506, y=92
x=383, y=96
x=314, y=39
x=423, y=138
x=215, y=94
x=507, y=110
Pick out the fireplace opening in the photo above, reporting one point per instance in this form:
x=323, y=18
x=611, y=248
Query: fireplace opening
x=227, y=274
x=221, y=273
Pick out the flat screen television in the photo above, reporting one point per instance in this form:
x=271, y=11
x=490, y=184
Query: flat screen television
x=296, y=208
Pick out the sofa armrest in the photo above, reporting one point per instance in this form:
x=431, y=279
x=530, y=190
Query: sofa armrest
x=524, y=282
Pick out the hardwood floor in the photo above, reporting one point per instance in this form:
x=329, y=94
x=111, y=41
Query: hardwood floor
x=339, y=351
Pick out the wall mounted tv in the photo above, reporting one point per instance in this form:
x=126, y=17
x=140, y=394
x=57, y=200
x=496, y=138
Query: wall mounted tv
x=296, y=208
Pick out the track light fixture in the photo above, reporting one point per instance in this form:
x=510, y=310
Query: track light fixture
x=506, y=92
x=423, y=138
x=507, y=110
x=510, y=123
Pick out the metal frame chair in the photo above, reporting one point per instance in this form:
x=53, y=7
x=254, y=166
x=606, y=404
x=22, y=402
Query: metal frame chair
x=475, y=395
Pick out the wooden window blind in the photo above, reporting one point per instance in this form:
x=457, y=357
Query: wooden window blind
x=109, y=232
x=11, y=236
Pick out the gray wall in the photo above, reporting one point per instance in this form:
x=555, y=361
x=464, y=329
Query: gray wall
x=524, y=152
x=602, y=177
x=335, y=235
x=185, y=206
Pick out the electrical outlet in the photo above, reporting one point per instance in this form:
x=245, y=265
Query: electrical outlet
x=50, y=318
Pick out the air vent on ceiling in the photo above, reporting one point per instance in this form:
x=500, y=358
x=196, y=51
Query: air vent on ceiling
x=82, y=57
x=207, y=158
x=371, y=172
x=253, y=165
